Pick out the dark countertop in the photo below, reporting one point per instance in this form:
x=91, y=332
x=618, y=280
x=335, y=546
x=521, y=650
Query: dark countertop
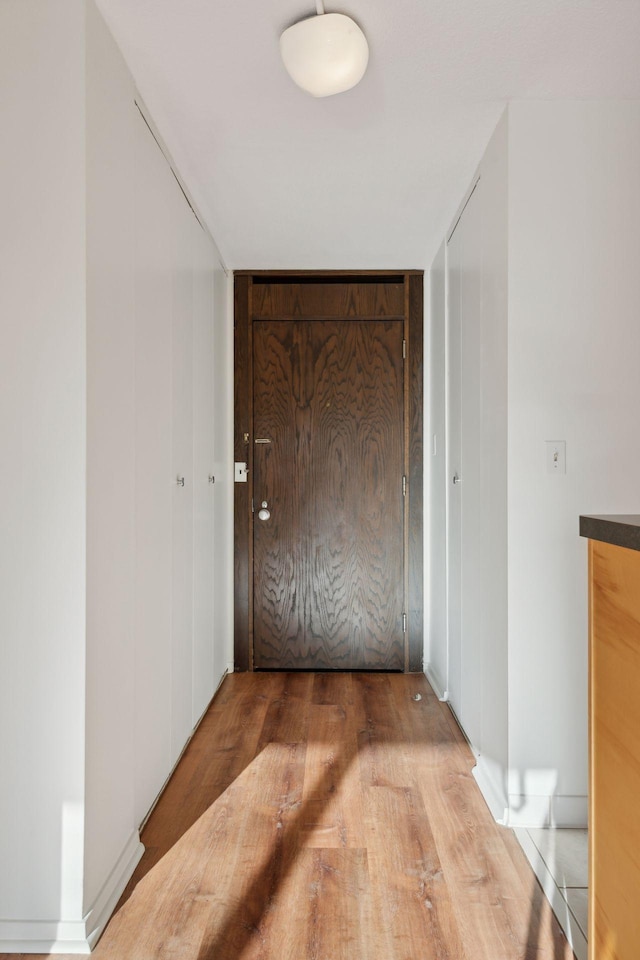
x=620, y=529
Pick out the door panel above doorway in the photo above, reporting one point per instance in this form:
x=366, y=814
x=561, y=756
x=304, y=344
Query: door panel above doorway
x=313, y=297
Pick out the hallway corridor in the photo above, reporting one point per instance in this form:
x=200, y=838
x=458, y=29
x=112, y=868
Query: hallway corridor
x=329, y=817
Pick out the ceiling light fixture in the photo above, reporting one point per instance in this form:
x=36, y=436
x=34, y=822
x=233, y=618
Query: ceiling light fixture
x=325, y=54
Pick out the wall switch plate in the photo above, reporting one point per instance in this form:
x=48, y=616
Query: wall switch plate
x=556, y=456
x=240, y=472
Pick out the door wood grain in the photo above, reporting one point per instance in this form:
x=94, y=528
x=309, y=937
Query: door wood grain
x=329, y=562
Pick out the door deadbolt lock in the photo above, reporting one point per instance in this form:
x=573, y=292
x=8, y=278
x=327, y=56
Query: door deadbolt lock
x=264, y=514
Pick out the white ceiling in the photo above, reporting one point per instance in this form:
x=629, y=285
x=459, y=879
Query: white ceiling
x=370, y=178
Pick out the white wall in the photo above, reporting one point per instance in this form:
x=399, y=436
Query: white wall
x=114, y=306
x=574, y=352
x=559, y=306
x=42, y=465
x=109, y=821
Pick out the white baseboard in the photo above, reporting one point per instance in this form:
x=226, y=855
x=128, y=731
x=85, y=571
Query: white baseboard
x=529, y=810
x=438, y=686
x=534, y=810
x=74, y=936
x=43, y=936
x=105, y=903
x=489, y=779
x=570, y=812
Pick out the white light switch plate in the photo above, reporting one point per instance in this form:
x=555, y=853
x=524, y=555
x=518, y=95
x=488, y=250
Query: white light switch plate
x=240, y=472
x=556, y=456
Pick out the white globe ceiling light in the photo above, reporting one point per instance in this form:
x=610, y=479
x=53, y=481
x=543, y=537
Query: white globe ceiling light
x=325, y=54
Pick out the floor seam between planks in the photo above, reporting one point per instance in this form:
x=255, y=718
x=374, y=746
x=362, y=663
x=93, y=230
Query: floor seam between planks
x=329, y=816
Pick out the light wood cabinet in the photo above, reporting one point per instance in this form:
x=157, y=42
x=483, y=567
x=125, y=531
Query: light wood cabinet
x=614, y=818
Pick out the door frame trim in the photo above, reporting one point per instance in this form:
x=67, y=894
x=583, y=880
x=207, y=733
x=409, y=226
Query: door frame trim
x=413, y=444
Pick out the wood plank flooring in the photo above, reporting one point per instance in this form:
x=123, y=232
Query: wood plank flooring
x=329, y=817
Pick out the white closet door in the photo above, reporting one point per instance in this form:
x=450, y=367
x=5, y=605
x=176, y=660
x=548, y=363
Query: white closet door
x=205, y=493
x=454, y=495
x=465, y=547
x=184, y=224
x=470, y=436
x=154, y=489
x=222, y=433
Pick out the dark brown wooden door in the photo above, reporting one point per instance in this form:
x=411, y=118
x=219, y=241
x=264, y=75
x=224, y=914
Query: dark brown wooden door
x=328, y=563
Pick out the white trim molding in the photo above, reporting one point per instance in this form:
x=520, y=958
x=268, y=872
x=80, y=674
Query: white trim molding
x=489, y=778
x=74, y=936
x=105, y=903
x=43, y=936
x=438, y=687
x=544, y=810
x=527, y=809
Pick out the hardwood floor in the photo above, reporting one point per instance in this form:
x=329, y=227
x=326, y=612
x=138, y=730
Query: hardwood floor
x=329, y=817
